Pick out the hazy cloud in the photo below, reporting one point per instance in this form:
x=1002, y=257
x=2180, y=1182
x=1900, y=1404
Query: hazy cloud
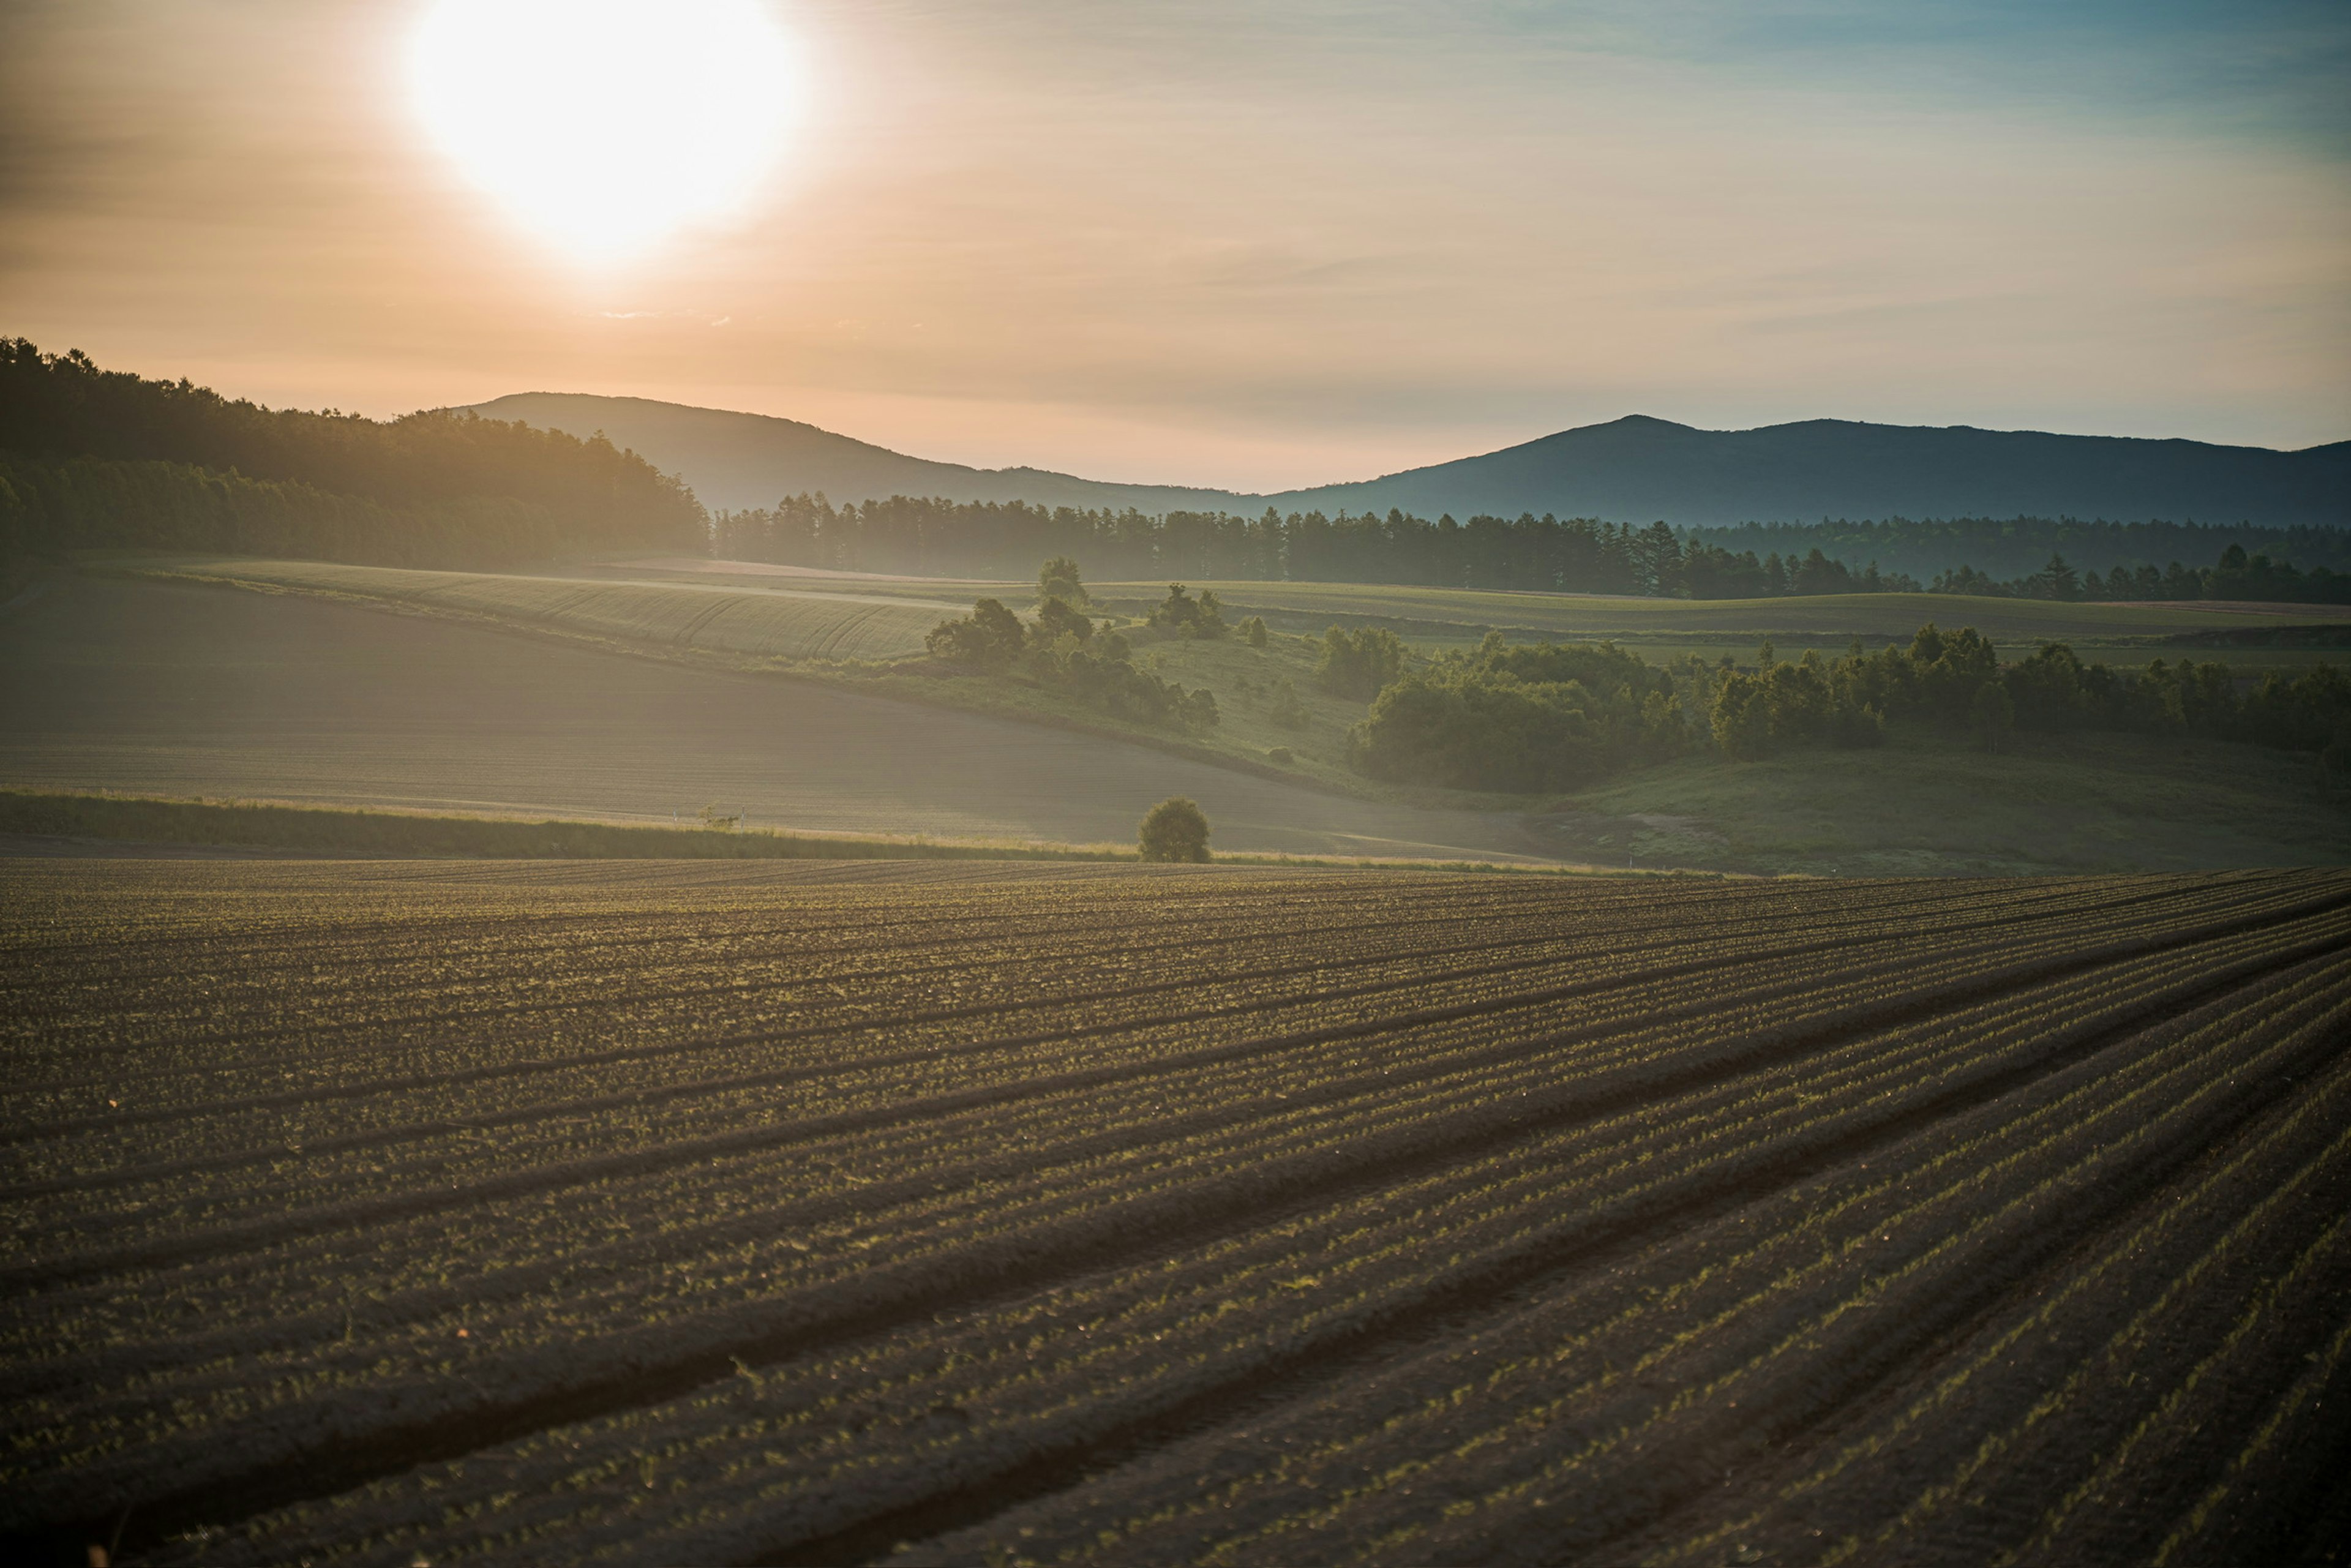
x=1259, y=244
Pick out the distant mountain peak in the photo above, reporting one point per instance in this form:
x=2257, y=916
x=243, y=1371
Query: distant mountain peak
x=1637, y=468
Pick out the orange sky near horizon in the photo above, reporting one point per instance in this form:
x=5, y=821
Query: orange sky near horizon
x=1244, y=247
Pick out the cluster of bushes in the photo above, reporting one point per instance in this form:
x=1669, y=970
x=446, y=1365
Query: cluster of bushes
x=108, y=459
x=1188, y=617
x=1546, y=716
x=1357, y=663
x=1060, y=650
x=1532, y=717
x=1954, y=683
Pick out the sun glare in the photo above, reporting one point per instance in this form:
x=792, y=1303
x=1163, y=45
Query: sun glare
x=607, y=125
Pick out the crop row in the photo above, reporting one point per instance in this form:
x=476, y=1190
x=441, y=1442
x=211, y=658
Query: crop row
x=227, y=1134
x=805, y=1024
x=780, y=1458
x=379, y=978
x=1602, y=1408
x=1234, y=1076
x=852, y=1271
x=181, y=1015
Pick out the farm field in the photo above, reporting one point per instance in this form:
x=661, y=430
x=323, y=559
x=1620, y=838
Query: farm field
x=992, y=1213
x=1660, y=626
x=768, y=621
x=285, y=697
x=174, y=690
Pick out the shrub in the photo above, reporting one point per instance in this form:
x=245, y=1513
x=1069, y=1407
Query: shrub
x=1057, y=578
x=1253, y=631
x=989, y=638
x=1358, y=663
x=1993, y=716
x=1288, y=711
x=1540, y=716
x=1175, y=829
x=1055, y=620
x=1186, y=616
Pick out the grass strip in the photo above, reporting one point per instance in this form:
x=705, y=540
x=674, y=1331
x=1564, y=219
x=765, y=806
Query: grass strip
x=368, y=833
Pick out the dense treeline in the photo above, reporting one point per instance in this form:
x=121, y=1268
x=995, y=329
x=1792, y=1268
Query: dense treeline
x=200, y=471
x=1551, y=717
x=85, y=503
x=1577, y=555
x=2003, y=548
x=2236, y=576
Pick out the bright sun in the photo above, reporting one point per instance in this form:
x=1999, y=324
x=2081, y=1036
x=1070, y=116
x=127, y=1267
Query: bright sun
x=606, y=125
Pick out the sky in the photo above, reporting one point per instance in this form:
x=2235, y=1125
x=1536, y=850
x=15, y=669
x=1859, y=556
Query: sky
x=1246, y=244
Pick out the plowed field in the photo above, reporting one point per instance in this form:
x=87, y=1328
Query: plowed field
x=985, y=1214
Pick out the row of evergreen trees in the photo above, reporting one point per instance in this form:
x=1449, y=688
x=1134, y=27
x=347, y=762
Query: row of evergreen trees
x=1576, y=555
x=2237, y=575
x=96, y=459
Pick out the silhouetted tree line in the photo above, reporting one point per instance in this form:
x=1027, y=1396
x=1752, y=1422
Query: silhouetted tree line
x=1550, y=716
x=2002, y=549
x=105, y=458
x=996, y=538
x=1577, y=555
x=2236, y=576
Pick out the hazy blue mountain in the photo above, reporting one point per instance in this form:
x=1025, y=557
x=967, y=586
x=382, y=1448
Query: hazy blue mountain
x=1639, y=469
x=1636, y=469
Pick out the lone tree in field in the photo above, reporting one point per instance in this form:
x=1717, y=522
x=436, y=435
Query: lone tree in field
x=1057, y=578
x=1175, y=829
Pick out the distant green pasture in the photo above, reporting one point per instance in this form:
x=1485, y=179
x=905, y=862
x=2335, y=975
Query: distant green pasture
x=1444, y=614
x=763, y=620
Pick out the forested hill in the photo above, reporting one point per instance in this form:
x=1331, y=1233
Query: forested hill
x=1639, y=469
x=95, y=458
x=1636, y=470
x=739, y=461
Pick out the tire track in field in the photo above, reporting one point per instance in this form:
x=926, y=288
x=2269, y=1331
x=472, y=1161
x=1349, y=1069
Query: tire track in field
x=1180, y=1221
x=1684, y=936
x=251, y=1235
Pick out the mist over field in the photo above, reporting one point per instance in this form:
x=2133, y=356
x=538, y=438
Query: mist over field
x=1170, y=784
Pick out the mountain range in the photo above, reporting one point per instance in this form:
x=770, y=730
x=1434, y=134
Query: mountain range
x=1636, y=469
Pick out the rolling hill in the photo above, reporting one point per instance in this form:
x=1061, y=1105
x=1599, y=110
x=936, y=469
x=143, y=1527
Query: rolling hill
x=1635, y=469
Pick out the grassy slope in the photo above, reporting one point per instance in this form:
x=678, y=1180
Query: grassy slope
x=1921, y=805
x=762, y=622
x=178, y=690
x=2087, y=803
